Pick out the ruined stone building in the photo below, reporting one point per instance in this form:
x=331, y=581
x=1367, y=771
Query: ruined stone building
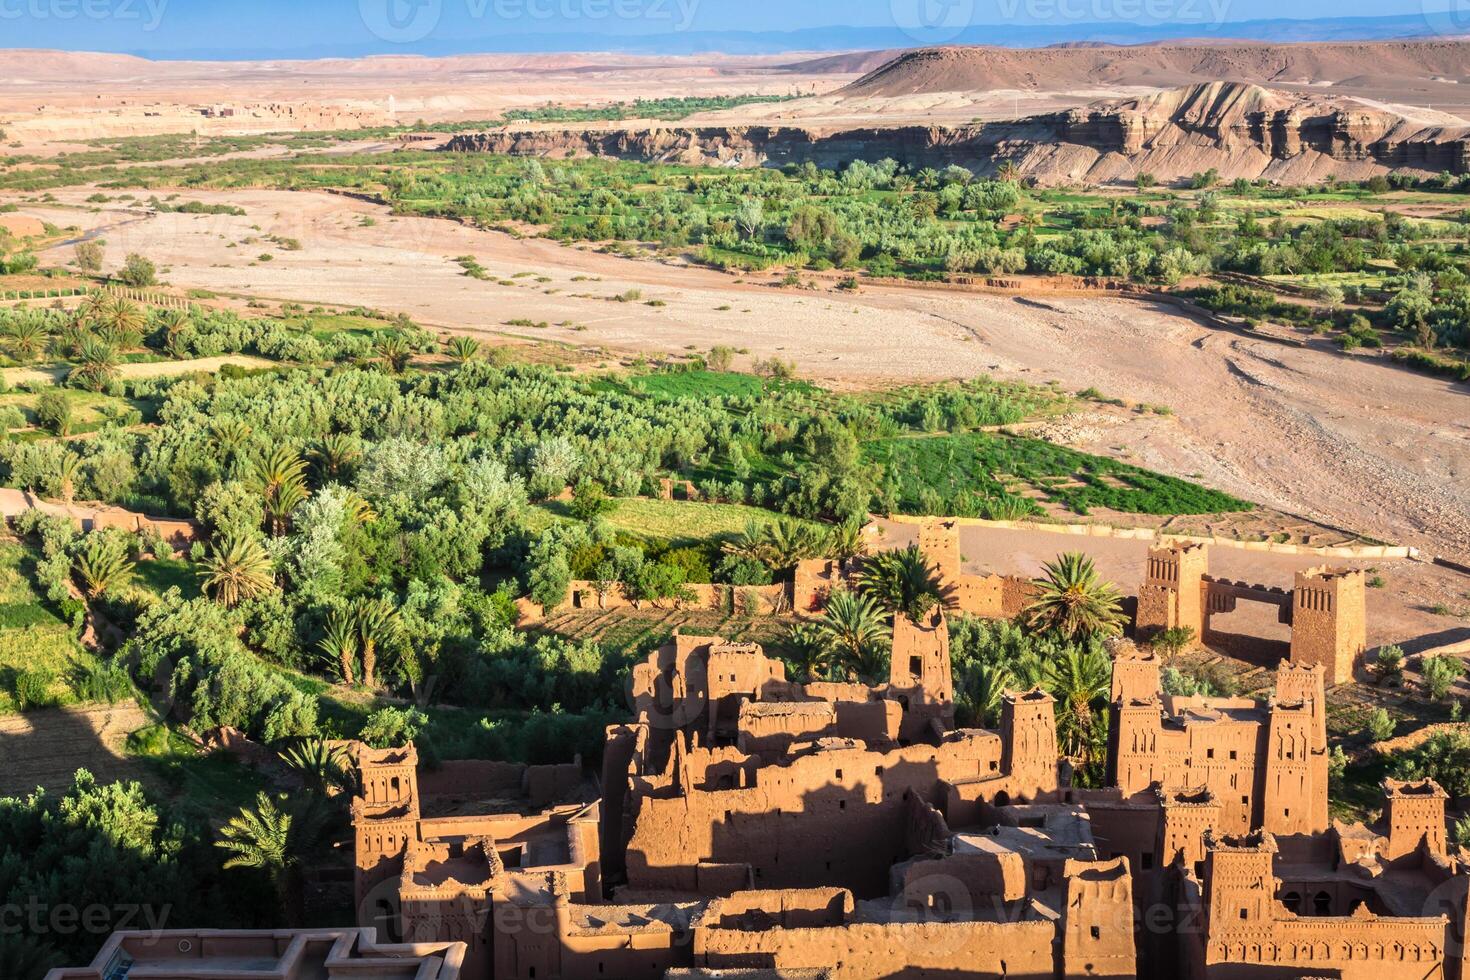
x=1326, y=610
x=748, y=822
x=986, y=596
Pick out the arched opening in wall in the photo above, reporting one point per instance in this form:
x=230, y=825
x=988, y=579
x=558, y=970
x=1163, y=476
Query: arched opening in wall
x=396, y=786
x=1247, y=623
x=386, y=920
x=1002, y=798
x=1293, y=902
x=1321, y=904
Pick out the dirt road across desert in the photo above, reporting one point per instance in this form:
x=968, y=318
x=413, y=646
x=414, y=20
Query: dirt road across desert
x=1346, y=440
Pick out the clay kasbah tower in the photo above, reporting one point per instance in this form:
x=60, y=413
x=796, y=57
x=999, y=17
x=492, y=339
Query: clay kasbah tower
x=744, y=825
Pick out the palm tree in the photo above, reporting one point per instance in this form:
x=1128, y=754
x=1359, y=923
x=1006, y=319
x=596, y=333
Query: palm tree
x=98, y=364
x=335, y=453
x=779, y=544
x=1008, y=171
x=376, y=621
x=120, y=321
x=1073, y=602
x=1080, y=679
x=808, y=651
x=981, y=689
x=904, y=582
x=231, y=436
x=103, y=564
x=280, y=476
x=394, y=351
x=846, y=541
x=322, y=767
x=68, y=472
x=237, y=568
x=854, y=626
x=174, y=323
x=463, y=349
x=339, y=643
x=274, y=839
x=27, y=337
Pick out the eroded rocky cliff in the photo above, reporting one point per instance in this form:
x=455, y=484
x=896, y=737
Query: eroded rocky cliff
x=1240, y=130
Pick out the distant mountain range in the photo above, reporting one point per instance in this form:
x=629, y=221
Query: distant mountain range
x=869, y=38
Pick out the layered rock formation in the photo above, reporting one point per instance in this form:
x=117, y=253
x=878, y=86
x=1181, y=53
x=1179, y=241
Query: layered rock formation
x=1238, y=129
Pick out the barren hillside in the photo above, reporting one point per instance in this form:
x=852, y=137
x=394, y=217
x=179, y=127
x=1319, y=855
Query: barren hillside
x=1418, y=71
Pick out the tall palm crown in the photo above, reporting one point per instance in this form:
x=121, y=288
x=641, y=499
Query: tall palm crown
x=281, y=479
x=854, y=626
x=1080, y=679
x=903, y=581
x=1073, y=602
x=237, y=568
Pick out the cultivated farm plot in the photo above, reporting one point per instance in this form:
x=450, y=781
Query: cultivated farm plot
x=46, y=748
x=961, y=474
x=644, y=629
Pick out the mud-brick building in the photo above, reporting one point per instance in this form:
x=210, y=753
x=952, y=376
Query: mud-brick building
x=1326, y=610
x=1357, y=903
x=1264, y=763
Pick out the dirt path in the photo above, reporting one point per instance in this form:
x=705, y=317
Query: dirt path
x=1346, y=440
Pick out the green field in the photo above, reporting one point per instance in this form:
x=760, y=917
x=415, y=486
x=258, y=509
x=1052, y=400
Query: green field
x=958, y=474
x=41, y=663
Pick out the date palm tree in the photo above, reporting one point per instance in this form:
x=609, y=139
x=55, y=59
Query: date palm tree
x=905, y=582
x=463, y=349
x=808, y=651
x=322, y=767
x=98, y=364
x=377, y=622
x=27, y=336
x=854, y=626
x=103, y=565
x=335, y=453
x=275, y=839
x=120, y=322
x=846, y=541
x=1080, y=679
x=1008, y=172
x=1073, y=602
x=237, y=568
x=981, y=687
x=231, y=437
x=68, y=472
x=280, y=477
x=394, y=352
x=174, y=323
x=339, y=643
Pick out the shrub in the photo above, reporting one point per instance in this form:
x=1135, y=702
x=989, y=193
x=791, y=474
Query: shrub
x=138, y=272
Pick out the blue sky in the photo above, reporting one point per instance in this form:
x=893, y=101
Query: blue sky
x=216, y=28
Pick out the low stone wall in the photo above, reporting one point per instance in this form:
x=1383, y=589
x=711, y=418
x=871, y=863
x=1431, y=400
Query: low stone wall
x=1149, y=534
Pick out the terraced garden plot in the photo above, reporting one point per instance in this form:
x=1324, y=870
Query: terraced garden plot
x=964, y=474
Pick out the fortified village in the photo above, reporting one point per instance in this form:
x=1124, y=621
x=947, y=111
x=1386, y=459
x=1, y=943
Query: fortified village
x=745, y=825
